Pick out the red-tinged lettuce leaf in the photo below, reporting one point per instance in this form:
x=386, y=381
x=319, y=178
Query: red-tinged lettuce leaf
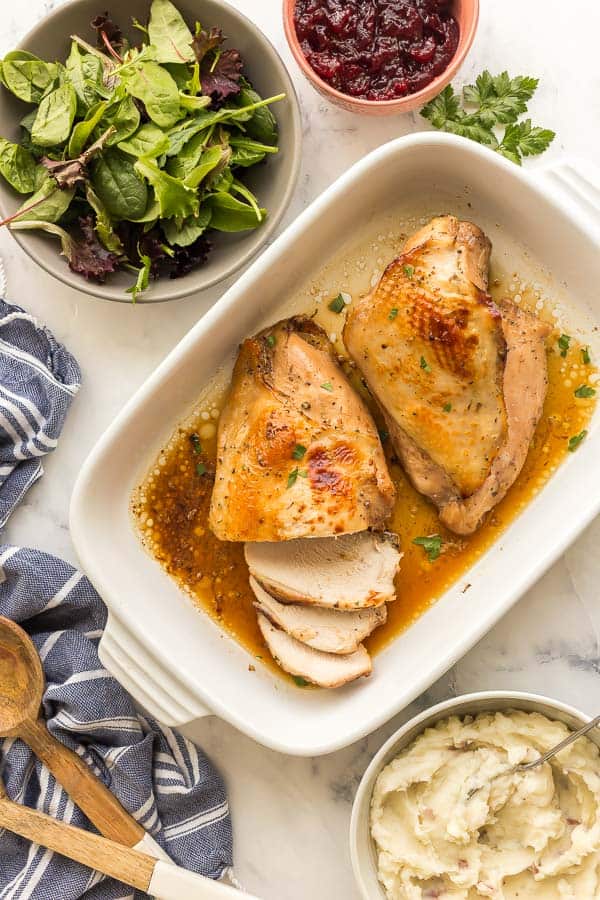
x=166, y=260
x=186, y=259
x=206, y=41
x=88, y=257
x=220, y=70
x=108, y=33
x=68, y=173
x=85, y=254
x=222, y=80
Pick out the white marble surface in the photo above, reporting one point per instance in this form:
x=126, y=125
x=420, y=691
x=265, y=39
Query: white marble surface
x=291, y=815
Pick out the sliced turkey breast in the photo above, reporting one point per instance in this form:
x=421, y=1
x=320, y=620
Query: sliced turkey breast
x=327, y=670
x=329, y=630
x=350, y=572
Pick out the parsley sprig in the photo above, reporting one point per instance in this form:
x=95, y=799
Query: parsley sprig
x=493, y=103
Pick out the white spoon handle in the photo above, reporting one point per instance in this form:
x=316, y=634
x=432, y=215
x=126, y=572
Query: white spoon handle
x=169, y=882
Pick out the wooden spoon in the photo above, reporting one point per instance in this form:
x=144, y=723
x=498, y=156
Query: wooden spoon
x=21, y=692
x=160, y=879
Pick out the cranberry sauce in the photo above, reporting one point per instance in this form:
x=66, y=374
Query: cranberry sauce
x=377, y=49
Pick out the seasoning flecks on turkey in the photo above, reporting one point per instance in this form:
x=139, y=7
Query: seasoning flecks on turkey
x=298, y=453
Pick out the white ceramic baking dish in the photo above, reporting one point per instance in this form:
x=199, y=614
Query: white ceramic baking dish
x=177, y=662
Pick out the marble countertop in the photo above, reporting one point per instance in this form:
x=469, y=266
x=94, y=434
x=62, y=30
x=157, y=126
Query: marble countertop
x=291, y=815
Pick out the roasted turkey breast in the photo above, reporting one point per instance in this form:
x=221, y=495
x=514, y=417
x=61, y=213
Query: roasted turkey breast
x=461, y=381
x=298, y=453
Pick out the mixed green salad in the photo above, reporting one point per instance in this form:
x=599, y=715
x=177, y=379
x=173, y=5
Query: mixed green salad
x=131, y=155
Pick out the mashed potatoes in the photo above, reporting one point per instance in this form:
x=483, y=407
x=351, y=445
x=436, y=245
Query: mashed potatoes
x=529, y=835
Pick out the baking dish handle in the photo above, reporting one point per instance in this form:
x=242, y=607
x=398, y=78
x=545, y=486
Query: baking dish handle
x=159, y=692
x=576, y=182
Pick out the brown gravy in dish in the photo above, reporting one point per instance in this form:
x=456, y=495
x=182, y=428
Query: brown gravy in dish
x=171, y=505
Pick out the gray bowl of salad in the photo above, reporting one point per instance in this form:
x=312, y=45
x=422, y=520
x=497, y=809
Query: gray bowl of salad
x=145, y=154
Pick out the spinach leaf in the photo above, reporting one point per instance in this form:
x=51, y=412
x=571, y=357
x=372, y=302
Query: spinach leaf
x=48, y=204
x=26, y=76
x=55, y=117
x=247, y=152
x=169, y=33
x=83, y=130
x=180, y=73
x=229, y=214
x=124, y=116
x=188, y=157
x=262, y=125
x=118, y=186
x=190, y=230
x=213, y=160
x=103, y=226
x=174, y=198
x=157, y=90
x=28, y=120
x=222, y=184
x=150, y=215
x=150, y=141
x=18, y=167
x=85, y=73
x=189, y=128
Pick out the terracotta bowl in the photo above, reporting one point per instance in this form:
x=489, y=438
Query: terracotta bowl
x=466, y=13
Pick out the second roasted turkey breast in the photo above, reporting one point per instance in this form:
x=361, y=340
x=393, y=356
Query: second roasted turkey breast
x=298, y=452
x=461, y=380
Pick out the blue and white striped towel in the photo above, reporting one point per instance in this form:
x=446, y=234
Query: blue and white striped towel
x=167, y=784
x=38, y=380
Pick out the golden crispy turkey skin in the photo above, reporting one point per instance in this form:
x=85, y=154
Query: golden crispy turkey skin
x=433, y=349
x=429, y=342
x=298, y=453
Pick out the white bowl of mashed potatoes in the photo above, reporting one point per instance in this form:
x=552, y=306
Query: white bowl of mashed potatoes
x=420, y=831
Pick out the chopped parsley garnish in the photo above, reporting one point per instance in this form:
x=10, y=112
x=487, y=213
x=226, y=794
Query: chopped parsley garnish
x=201, y=469
x=195, y=441
x=337, y=304
x=327, y=386
x=447, y=407
x=563, y=344
x=432, y=545
x=584, y=391
x=409, y=271
x=298, y=451
x=271, y=340
x=300, y=681
x=294, y=475
x=575, y=441
x=424, y=364
x=393, y=313
x=585, y=356
x=383, y=435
